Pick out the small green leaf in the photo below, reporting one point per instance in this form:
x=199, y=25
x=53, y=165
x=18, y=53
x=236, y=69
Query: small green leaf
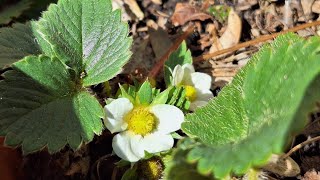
x=87, y=35
x=178, y=168
x=16, y=43
x=131, y=174
x=125, y=94
x=37, y=111
x=255, y=115
x=162, y=98
x=13, y=10
x=145, y=93
x=180, y=56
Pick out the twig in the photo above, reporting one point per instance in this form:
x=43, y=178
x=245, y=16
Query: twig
x=155, y=70
x=254, y=41
x=297, y=147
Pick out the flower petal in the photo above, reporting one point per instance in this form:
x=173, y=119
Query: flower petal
x=177, y=75
x=201, y=80
x=136, y=145
x=121, y=145
x=115, y=112
x=203, y=95
x=170, y=117
x=188, y=69
x=154, y=143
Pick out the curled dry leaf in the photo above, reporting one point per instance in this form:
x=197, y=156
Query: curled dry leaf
x=185, y=12
x=316, y=7
x=134, y=7
x=306, y=6
x=232, y=34
x=284, y=167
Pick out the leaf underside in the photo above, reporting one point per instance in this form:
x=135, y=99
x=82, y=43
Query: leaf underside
x=87, y=35
x=36, y=111
x=254, y=115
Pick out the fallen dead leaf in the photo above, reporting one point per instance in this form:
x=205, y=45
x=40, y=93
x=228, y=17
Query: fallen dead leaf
x=231, y=36
x=284, y=167
x=311, y=175
x=306, y=6
x=134, y=7
x=185, y=12
x=316, y=7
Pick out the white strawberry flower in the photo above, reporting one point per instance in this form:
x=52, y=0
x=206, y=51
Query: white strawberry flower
x=197, y=85
x=142, y=128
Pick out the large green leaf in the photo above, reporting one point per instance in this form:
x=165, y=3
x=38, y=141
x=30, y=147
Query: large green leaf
x=16, y=43
x=13, y=10
x=87, y=35
x=42, y=105
x=254, y=116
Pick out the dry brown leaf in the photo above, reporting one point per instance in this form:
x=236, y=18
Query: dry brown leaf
x=311, y=175
x=185, y=12
x=316, y=7
x=231, y=36
x=306, y=6
x=159, y=2
x=283, y=167
x=134, y=7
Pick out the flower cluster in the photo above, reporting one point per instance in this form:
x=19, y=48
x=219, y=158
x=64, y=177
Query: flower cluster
x=144, y=123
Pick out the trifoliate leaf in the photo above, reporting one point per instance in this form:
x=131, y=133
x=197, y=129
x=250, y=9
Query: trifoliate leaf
x=87, y=35
x=253, y=116
x=13, y=10
x=180, y=56
x=145, y=93
x=42, y=106
x=16, y=43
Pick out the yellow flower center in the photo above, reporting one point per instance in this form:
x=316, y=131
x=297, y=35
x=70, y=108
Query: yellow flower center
x=141, y=121
x=191, y=92
x=151, y=169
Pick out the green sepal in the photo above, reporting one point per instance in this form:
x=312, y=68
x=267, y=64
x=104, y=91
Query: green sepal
x=131, y=174
x=144, y=94
x=162, y=98
x=124, y=94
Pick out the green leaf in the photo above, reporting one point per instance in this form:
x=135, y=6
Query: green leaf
x=255, y=115
x=178, y=168
x=87, y=35
x=162, y=97
x=13, y=11
x=37, y=111
x=125, y=94
x=16, y=43
x=130, y=174
x=145, y=93
x=180, y=56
